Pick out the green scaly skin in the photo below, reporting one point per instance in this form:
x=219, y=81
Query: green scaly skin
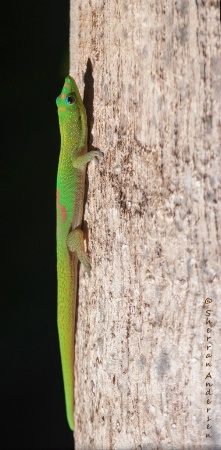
x=70, y=245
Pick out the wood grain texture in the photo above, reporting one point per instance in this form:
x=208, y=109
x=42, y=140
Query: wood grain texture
x=152, y=212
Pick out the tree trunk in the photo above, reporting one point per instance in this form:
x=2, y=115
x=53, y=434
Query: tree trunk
x=145, y=372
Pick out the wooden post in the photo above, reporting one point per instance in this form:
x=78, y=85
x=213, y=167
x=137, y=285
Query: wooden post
x=150, y=74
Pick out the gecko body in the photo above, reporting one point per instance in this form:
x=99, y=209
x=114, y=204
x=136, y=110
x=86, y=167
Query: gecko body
x=70, y=245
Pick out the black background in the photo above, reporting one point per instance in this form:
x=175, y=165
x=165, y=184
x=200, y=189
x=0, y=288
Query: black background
x=34, y=62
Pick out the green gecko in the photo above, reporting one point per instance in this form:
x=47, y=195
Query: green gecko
x=70, y=245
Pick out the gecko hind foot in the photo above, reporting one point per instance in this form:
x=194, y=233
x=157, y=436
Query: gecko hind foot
x=75, y=243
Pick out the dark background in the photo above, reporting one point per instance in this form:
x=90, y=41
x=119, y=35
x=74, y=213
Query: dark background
x=34, y=62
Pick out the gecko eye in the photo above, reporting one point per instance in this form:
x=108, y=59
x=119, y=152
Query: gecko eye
x=70, y=99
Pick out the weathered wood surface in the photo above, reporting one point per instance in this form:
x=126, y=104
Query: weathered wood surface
x=152, y=91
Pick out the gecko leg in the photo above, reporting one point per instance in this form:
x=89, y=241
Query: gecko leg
x=75, y=243
x=80, y=161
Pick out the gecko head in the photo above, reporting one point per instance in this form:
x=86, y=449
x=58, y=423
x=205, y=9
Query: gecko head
x=69, y=100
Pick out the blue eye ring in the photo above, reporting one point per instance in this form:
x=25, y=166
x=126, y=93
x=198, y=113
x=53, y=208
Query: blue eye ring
x=70, y=99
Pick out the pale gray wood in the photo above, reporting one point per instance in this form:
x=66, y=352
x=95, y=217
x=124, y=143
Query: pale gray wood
x=152, y=211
